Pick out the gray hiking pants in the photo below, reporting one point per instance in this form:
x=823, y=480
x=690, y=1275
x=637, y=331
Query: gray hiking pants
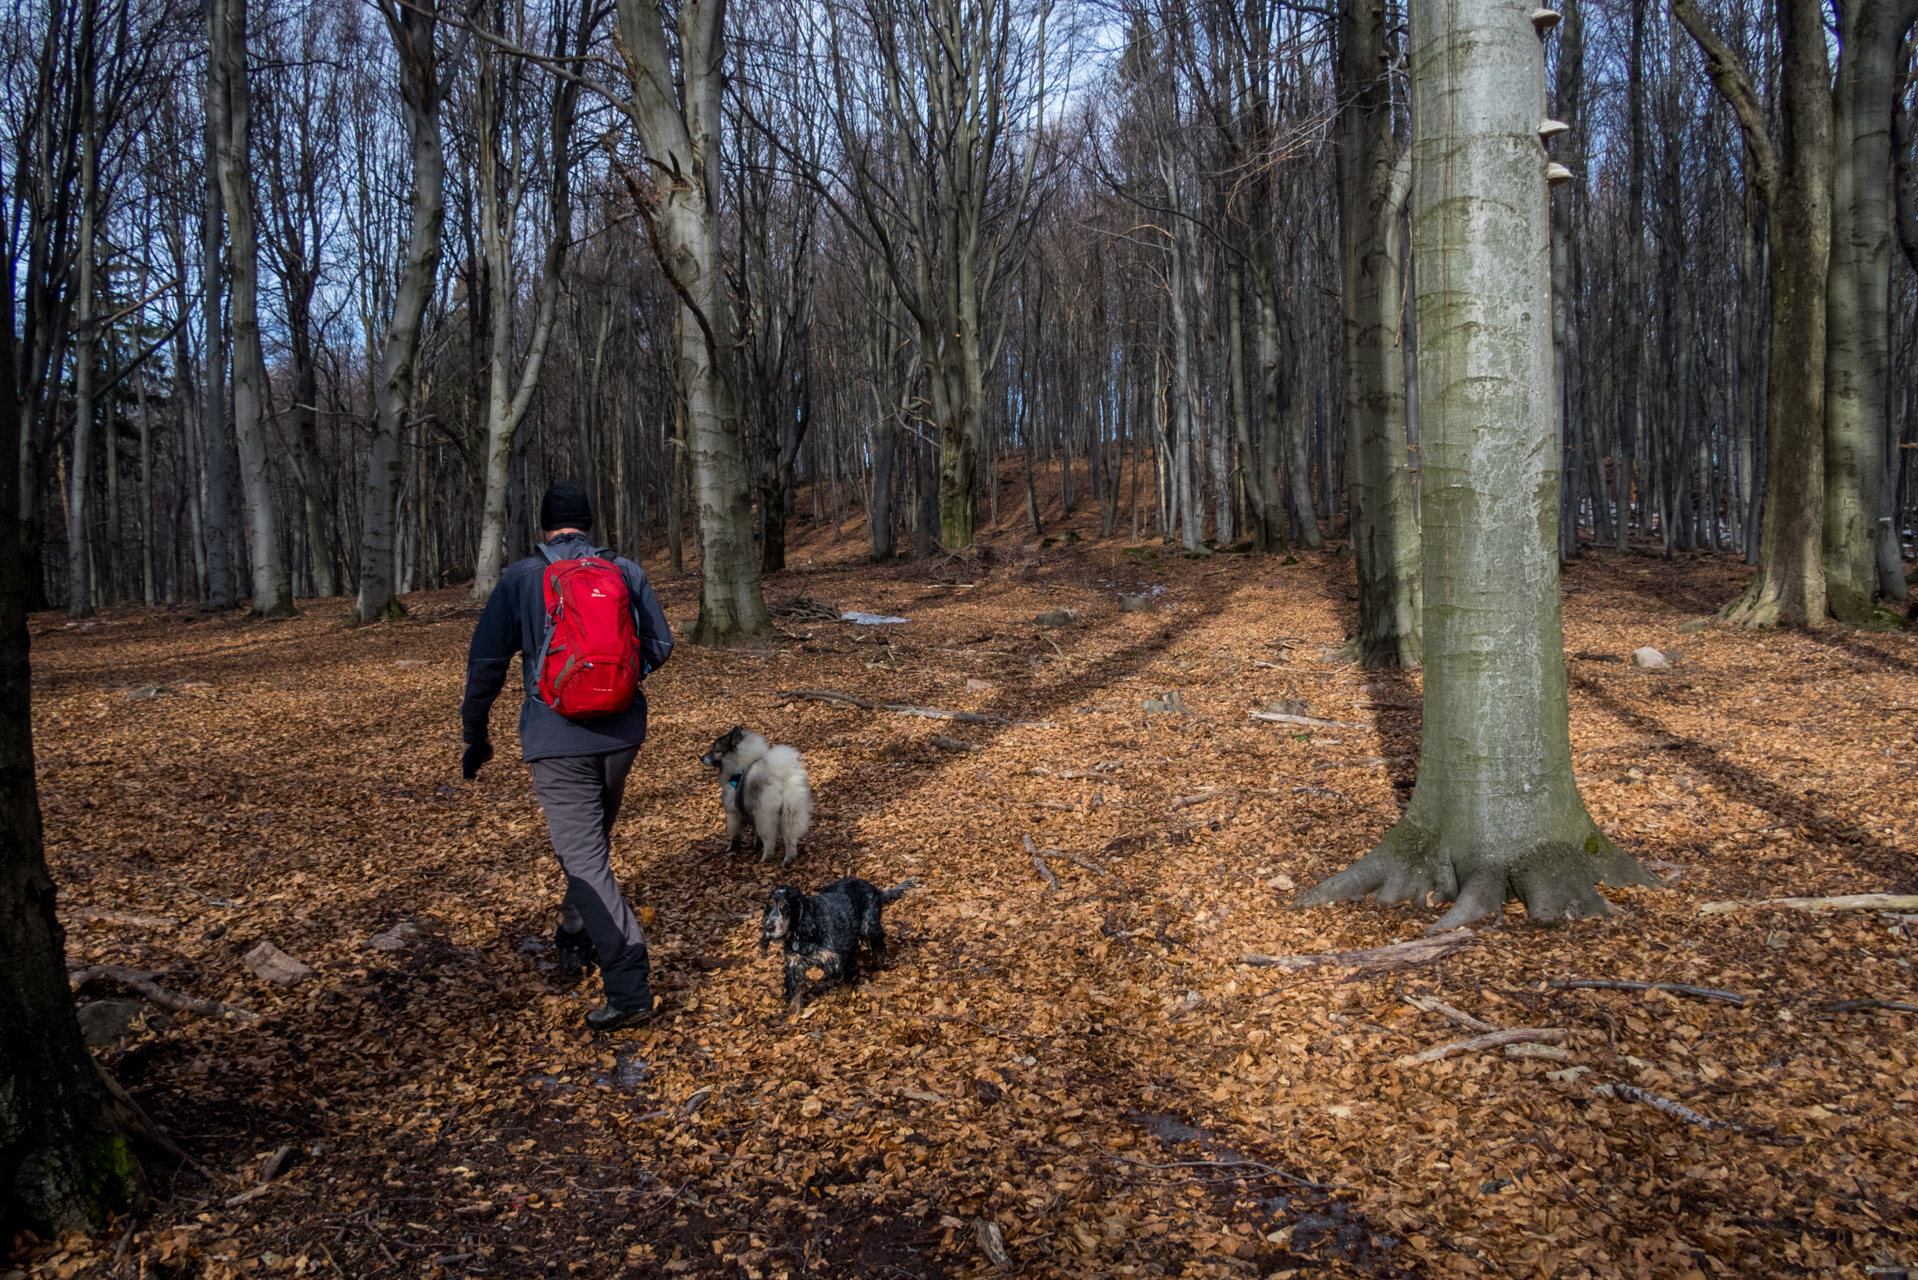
x=581, y=796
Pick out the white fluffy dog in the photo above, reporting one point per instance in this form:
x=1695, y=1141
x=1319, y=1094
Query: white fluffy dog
x=764, y=785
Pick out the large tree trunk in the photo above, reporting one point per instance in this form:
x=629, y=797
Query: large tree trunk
x=507, y=402
x=64, y=1162
x=1857, y=335
x=215, y=448
x=412, y=27
x=232, y=111
x=1497, y=813
x=1373, y=183
x=1795, y=183
x=681, y=209
x=80, y=462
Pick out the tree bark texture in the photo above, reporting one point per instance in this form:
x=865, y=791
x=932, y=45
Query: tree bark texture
x=80, y=463
x=64, y=1162
x=501, y=179
x=1374, y=181
x=678, y=120
x=1857, y=309
x=215, y=445
x=1794, y=181
x=412, y=28
x=1496, y=813
x=231, y=124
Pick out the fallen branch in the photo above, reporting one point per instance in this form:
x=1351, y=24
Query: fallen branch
x=827, y=695
x=907, y=709
x=1040, y=864
x=1400, y=955
x=1267, y=1170
x=1321, y=791
x=119, y=917
x=268, y=1172
x=1632, y=1093
x=1038, y=853
x=1279, y=717
x=965, y=717
x=1186, y=802
x=1432, y=1004
x=1852, y=1006
x=142, y=982
x=1549, y=1052
x=1844, y=902
x=1490, y=1040
x=1676, y=988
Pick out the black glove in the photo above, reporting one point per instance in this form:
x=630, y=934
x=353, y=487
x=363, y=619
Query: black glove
x=475, y=755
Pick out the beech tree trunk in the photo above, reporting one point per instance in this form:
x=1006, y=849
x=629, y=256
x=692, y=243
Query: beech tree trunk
x=1857, y=307
x=64, y=1162
x=1374, y=181
x=231, y=125
x=678, y=118
x=216, y=515
x=501, y=178
x=80, y=462
x=1496, y=813
x=1795, y=183
x=412, y=28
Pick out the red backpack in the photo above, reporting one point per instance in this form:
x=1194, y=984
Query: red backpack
x=589, y=663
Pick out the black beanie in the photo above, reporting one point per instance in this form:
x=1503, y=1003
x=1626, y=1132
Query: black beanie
x=565, y=506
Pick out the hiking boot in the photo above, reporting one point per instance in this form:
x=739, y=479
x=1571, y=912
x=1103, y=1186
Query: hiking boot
x=574, y=951
x=612, y=1019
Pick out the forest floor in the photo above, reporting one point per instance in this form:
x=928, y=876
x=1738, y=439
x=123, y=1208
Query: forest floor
x=1091, y=1069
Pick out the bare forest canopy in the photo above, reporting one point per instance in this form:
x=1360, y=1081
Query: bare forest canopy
x=313, y=299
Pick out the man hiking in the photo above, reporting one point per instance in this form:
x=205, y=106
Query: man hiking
x=588, y=630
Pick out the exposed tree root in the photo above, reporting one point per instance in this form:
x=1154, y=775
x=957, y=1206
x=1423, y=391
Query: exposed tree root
x=1556, y=880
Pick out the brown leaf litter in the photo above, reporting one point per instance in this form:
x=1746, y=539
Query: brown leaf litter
x=1085, y=1081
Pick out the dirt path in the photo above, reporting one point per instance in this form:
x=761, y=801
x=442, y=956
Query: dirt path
x=1090, y=1069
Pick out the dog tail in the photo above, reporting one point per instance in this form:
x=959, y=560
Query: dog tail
x=898, y=891
x=795, y=791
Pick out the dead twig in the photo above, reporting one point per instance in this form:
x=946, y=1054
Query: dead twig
x=827, y=695
x=1632, y=1093
x=1039, y=864
x=1186, y=802
x=1038, y=854
x=119, y=917
x=1843, y=902
x=1266, y=1170
x=1432, y=1004
x=1490, y=1040
x=269, y=1171
x=1676, y=988
x=907, y=709
x=142, y=982
x=1280, y=717
x=1872, y=1002
x=1400, y=955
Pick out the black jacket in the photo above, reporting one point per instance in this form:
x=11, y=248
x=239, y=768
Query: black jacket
x=514, y=622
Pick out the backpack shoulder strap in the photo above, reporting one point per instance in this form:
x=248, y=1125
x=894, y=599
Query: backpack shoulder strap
x=552, y=556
